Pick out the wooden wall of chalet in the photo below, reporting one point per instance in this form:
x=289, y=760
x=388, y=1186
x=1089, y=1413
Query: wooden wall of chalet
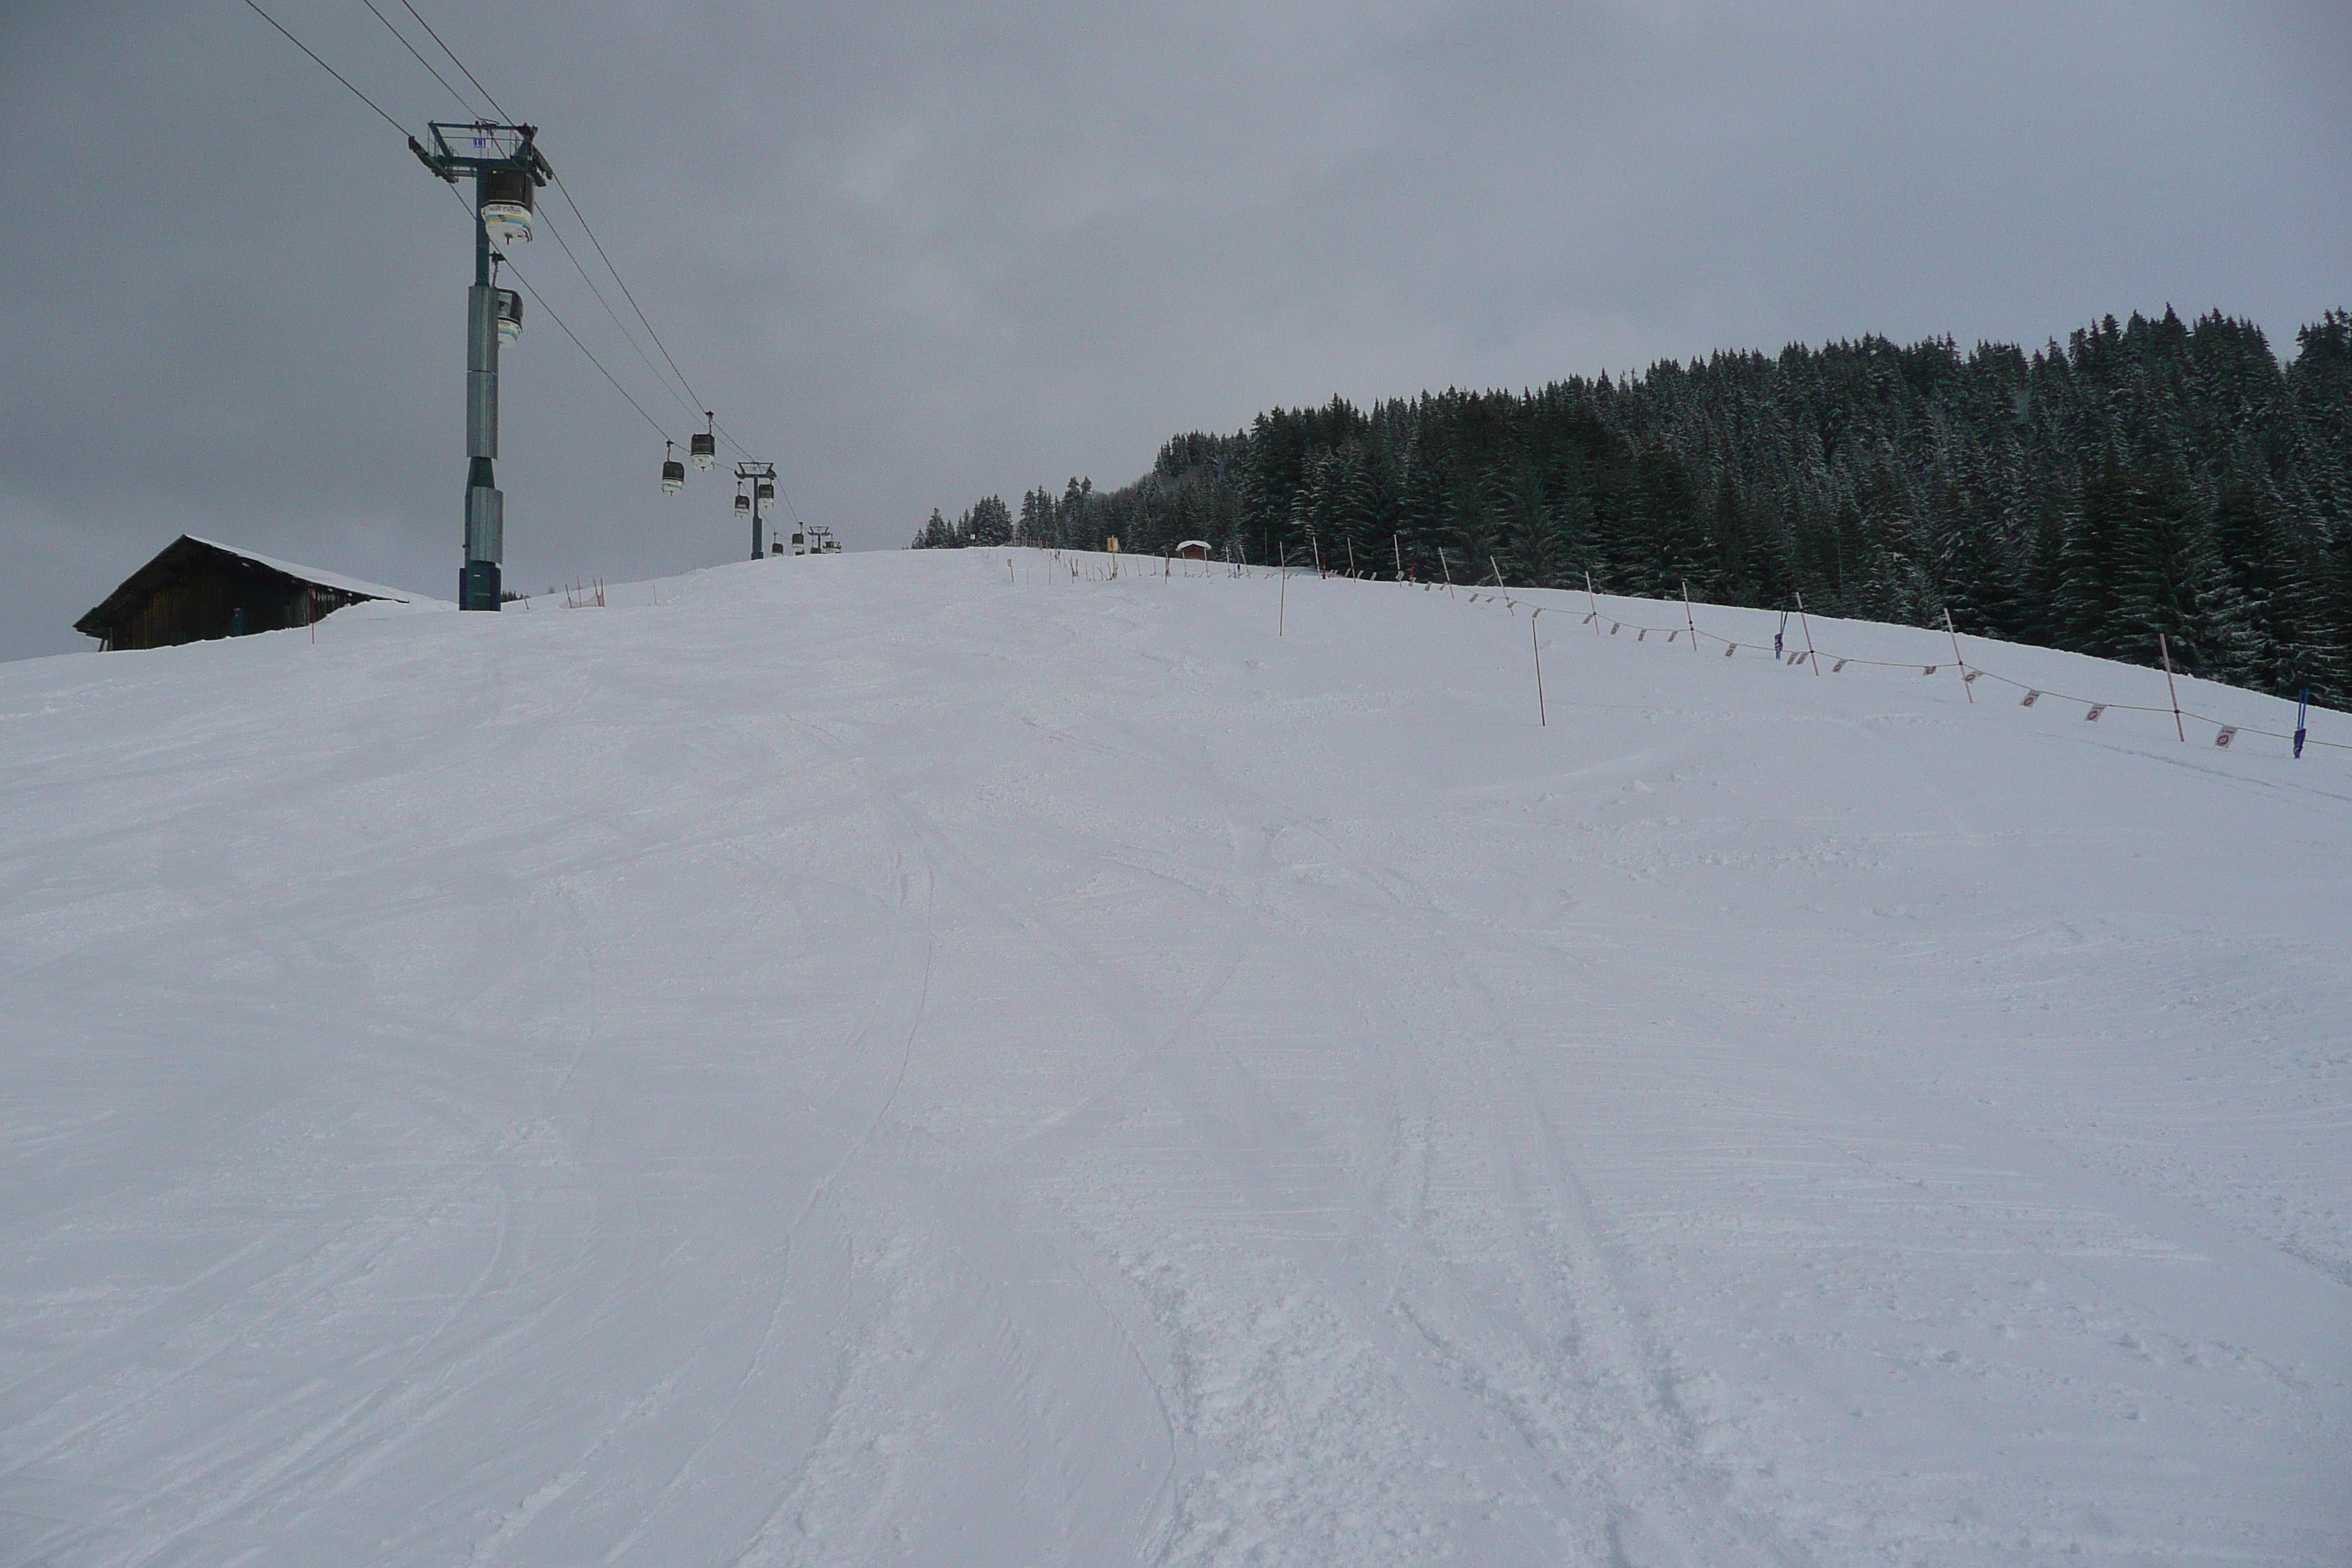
x=202, y=602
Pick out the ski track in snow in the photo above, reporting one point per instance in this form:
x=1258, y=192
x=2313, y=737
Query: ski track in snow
x=880, y=1060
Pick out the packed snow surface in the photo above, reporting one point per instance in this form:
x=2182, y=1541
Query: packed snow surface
x=948, y=1058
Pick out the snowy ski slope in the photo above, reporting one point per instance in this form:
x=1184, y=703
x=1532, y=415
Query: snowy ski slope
x=914, y=1059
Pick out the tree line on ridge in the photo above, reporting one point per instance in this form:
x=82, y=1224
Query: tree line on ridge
x=2147, y=478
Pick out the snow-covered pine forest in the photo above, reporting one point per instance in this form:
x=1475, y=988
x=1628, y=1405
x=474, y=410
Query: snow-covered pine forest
x=2147, y=478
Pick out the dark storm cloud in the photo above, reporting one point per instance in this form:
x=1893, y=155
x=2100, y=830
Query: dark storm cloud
x=919, y=253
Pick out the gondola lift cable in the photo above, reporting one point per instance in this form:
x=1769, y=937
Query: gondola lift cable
x=511, y=322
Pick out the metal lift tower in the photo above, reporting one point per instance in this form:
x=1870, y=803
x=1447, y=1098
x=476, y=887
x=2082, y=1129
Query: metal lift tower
x=508, y=170
x=762, y=480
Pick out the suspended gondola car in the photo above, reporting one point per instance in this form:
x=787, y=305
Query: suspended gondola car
x=742, y=503
x=509, y=318
x=673, y=471
x=703, y=445
x=767, y=490
x=507, y=203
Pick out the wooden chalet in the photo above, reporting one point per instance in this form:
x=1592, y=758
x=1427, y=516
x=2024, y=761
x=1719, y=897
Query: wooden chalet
x=197, y=589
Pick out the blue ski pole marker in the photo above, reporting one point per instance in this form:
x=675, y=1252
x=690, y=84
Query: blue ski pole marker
x=2302, y=711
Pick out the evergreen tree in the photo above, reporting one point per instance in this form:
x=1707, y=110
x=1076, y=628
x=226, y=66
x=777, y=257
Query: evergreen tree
x=990, y=521
x=936, y=535
x=2088, y=599
x=2271, y=630
x=2164, y=577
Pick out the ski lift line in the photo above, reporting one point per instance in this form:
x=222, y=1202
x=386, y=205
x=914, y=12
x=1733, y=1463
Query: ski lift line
x=692, y=402
x=585, y=228
x=420, y=59
x=453, y=60
x=330, y=70
x=743, y=454
x=508, y=262
x=576, y=265
x=584, y=348
x=747, y=457
x=537, y=298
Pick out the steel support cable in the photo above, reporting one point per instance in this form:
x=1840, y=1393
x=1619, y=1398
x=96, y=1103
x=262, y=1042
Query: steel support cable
x=692, y=402
x=420, y=59
x=729, y=438
x=540, y=299
x=330, y=70
x=584, y=349
x=694, y=399
x=585, y=228
x=453, y=58
x=631, y=337
x=537, y=298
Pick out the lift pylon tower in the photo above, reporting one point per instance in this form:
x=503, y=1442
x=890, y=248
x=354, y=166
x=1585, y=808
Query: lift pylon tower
x=508, y=170
x=762, y=480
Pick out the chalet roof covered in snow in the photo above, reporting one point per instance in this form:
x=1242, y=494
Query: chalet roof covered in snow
x=198, y=588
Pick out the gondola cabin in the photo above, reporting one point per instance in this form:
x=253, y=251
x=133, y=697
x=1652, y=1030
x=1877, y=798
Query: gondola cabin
x=196, y=590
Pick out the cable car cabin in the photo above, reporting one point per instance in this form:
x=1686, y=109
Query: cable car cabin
x=507, y=200
x=196, y=590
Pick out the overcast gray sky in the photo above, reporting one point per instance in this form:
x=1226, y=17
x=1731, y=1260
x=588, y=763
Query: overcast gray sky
x=921, y=252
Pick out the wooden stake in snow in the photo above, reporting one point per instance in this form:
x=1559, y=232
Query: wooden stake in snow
x=1498, y=572
x=1808, y=635
x=2165, y=653
x=1282, y=596
x=1442, y=566
x=1593, y=620
x=1542, y=720
x=1688, y=619
x=1396, y=542
x=1966, y=684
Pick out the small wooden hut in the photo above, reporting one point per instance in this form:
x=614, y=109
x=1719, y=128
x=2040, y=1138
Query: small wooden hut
x=1192, y=550
x=197, y=589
